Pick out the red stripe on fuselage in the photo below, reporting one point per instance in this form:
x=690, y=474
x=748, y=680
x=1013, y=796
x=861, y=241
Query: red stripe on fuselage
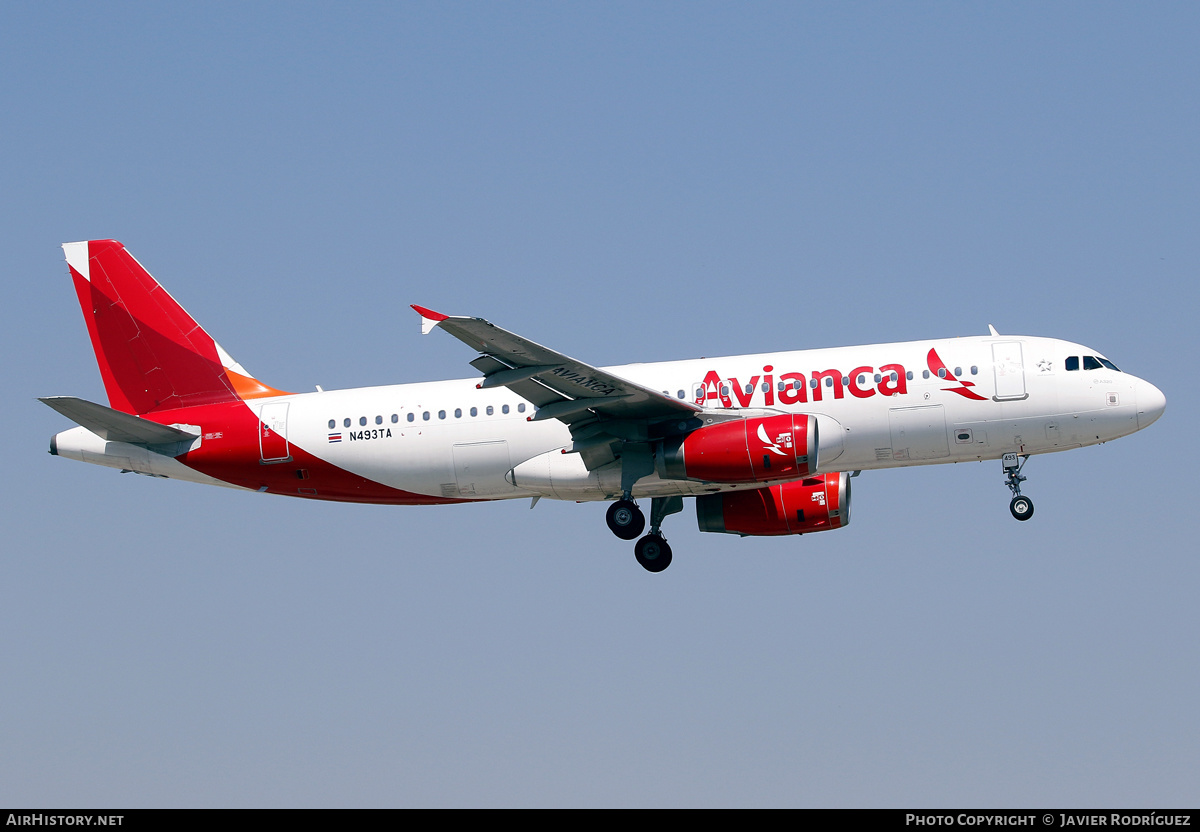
x=230, y=453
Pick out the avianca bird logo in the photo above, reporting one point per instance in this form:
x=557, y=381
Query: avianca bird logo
x=773, y=447
x=938, y=368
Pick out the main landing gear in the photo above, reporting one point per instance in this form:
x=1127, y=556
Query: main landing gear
x=626, y=521
x=1021, y=506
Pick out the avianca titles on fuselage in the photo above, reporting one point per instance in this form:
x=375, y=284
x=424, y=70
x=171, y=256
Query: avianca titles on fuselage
x=765, y=443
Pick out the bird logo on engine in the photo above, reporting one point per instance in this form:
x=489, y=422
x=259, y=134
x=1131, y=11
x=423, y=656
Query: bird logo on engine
x=784, y=439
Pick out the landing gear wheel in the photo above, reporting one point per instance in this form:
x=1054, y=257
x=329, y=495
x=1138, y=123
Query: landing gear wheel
x=653, y=553
x=625, y=519
x=1021, y=508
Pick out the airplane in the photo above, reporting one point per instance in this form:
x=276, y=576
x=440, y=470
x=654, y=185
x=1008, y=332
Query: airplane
x=766, y=444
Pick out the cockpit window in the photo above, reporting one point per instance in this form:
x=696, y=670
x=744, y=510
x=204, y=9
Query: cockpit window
x=1072, y=362
x=1090, y=363
x=1109, y=364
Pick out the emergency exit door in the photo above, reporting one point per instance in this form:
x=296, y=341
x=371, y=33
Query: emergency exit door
x=272, y=433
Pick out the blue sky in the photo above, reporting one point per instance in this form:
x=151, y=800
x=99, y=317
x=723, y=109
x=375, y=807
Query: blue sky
x=623, y=183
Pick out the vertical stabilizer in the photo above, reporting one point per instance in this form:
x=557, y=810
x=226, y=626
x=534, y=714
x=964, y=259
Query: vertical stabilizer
x=152, y=354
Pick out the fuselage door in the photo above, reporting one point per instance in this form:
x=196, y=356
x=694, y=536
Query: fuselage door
x=1009, y=367
x=272, y=433
x=919, y=432
x=479, y=468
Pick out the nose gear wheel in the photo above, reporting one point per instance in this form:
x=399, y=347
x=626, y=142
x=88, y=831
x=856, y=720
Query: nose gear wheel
x=1021, y=506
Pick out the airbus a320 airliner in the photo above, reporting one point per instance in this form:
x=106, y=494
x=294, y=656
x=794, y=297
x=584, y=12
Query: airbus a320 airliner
x=766, y=444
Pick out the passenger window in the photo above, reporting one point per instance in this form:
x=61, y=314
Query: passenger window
x=474, y=411
x=425, y=415
x=958, y=371
x=379, y=420
x=490, y=410
x=521, y=407
x=878, y=378
x=504, y=409
x=862, y=379
x=941, y=372
x=458, y=413
x=396, y=418
x=749, y=389
x=441, y=414
x=908, y=375
x=1090, y=363
x=813, y=383
x=332, y=424
x=974, y=371
x=411, y=416
x=362, y=421
x=924, y=374
x=680, y=394
x=1072, y=362
x=346, y=423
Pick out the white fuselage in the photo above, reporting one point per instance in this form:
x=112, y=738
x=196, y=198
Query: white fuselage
x=883, y=406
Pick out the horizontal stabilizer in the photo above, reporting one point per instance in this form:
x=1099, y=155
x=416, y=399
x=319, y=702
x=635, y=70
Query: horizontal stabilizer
x=115, y=426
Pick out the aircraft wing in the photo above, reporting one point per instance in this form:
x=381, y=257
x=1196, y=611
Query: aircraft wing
x=560, y=386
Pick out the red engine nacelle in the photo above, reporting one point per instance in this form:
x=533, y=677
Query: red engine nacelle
x=809, y=505
x=781, y=447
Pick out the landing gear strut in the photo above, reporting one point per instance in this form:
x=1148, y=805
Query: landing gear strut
x=626, y=521
x=1021, y=506
x=652, y=551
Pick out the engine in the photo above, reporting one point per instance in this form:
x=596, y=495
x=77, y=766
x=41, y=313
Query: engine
x=814, y=504
x=782, y=447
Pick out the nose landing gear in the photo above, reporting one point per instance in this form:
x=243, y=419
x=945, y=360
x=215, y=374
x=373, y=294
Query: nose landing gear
x=1020, y=506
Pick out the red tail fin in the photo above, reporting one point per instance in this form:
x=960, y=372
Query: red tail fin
x=152, y=354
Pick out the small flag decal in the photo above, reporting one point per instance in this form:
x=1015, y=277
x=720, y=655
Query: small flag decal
x=335, y=437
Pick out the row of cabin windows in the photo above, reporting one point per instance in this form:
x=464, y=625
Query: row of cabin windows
x=1090, y=362
x=814, y=383
x=426, y=415
x=942, y=372
x=1072, y=364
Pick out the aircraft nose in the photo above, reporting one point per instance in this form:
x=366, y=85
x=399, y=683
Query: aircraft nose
x=1150, y=403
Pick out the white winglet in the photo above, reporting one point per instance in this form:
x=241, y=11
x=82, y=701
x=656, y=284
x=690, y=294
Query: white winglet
x=429, y=318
